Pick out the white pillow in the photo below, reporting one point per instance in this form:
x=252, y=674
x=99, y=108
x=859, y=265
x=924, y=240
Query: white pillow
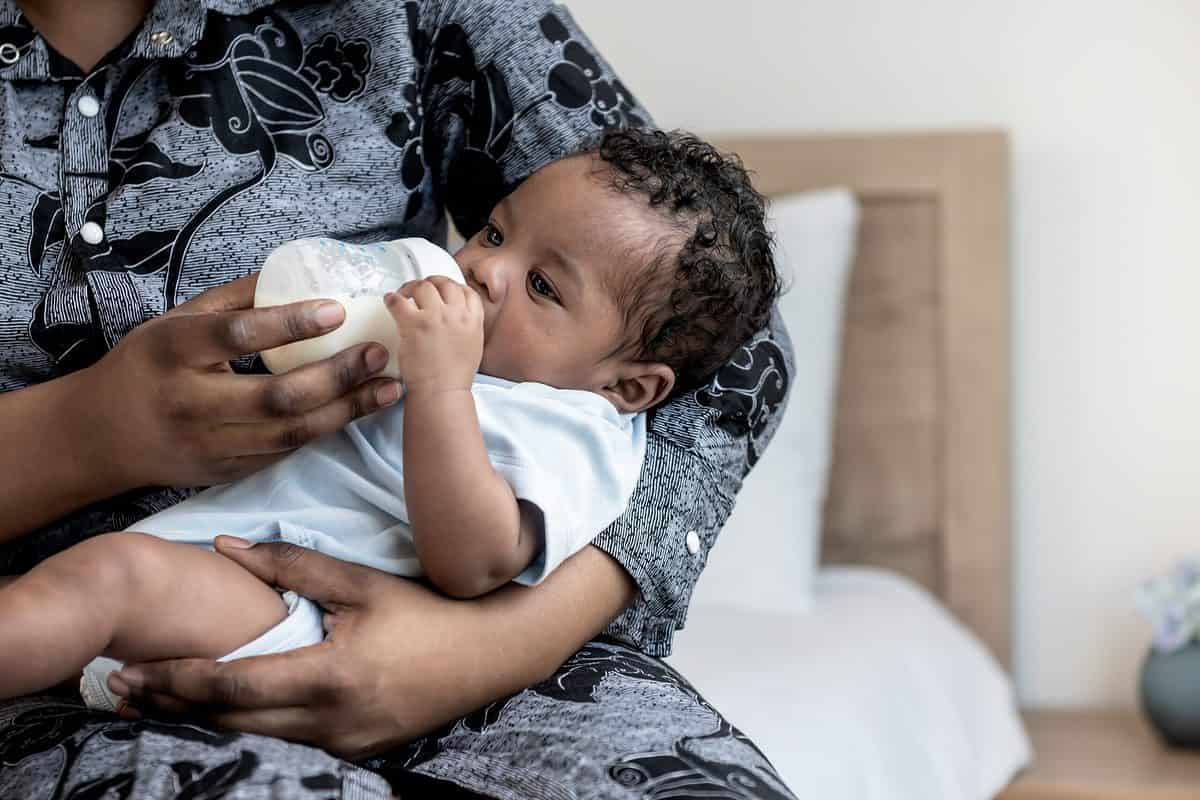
x=766, y=556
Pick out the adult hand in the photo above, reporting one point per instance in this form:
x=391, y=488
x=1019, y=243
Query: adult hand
x=399, y=660
x=350, y=695
x=168, y=409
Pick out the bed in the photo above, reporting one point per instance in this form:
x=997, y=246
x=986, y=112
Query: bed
x=890, y=681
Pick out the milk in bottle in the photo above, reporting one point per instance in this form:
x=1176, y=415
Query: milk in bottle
x=357, y=276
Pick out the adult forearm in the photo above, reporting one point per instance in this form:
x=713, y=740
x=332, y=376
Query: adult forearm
x=467, y=654
x=52, y=461
x=523, y=634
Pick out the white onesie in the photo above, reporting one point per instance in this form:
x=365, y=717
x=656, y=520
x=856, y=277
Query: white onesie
x=568, y=452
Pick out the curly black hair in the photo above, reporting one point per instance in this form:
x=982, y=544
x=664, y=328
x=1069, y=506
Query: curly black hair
x=712, y=281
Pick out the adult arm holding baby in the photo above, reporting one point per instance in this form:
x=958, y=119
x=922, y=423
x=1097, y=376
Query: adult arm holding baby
x=431, y=106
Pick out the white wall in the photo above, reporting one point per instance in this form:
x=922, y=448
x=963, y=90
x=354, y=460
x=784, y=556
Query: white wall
x=1103, y=104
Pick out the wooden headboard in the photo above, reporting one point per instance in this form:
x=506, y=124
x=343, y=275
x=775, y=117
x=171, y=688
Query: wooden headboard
x=920, y=476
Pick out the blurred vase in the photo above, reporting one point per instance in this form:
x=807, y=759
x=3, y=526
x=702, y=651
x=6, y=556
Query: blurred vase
x=1170, y=690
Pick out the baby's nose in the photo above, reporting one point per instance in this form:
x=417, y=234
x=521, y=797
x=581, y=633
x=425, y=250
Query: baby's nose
x=487, y=278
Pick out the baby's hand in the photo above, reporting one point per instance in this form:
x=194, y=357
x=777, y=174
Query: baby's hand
x=441, y=333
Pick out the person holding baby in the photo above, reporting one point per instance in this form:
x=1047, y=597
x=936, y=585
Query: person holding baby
x=157, y=153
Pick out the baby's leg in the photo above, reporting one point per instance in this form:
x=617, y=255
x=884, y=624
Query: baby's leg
x=128, y=596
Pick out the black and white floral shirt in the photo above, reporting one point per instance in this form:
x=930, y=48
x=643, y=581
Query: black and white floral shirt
x=223, y=128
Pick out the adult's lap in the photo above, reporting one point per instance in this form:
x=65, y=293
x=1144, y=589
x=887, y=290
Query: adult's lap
x=612, y=723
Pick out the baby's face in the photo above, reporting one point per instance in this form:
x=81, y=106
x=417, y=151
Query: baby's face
x=544, y=264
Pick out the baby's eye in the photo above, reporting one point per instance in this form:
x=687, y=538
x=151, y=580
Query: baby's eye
x=492, y=235
x=541, y=285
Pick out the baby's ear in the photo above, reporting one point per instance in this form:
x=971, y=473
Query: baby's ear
x=639, y=386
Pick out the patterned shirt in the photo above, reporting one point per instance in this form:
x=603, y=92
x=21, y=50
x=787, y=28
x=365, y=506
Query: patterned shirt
x=222, y=128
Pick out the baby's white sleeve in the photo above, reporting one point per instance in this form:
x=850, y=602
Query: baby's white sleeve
x=568, y=453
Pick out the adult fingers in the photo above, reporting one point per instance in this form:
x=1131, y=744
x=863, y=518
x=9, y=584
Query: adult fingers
x=162, y=705
x=226, y=297
x=284, y=435
x=252, y=398
x=321, y=578
x=297, y=724
x=294, y=678
x=211, y=337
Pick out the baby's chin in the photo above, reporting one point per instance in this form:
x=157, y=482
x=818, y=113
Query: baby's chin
x=503, y=365
x=511, y=368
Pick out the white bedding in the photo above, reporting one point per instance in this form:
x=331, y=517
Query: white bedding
x=875, y=694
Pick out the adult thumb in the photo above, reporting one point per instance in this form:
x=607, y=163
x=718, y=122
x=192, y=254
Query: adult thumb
x=314, y=575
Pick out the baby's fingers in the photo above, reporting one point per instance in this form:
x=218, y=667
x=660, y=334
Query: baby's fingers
x=406, y=288
x=452, y=292
x=423, y=293
x=474, y=301
x=400, y=305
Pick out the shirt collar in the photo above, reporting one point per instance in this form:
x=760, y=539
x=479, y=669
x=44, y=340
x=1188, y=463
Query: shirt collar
x=181, y=22
x=170, y=29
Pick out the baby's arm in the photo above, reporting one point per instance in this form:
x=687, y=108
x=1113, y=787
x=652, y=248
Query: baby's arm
x=469, y=531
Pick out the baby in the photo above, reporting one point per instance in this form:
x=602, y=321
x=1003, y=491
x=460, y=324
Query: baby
x=603, y=285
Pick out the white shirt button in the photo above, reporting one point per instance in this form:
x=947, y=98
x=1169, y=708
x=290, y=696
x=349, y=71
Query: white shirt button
x=88, y=106
x=693, y=542
x=91, y=233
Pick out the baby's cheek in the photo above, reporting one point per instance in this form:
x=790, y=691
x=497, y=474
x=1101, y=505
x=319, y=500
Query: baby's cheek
x=494, y=359
x=505, y=358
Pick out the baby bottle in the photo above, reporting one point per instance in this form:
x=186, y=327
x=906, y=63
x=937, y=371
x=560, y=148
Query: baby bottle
x=357, y=277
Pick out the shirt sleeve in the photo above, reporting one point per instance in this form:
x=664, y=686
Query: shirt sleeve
x=506, y=86
x=568, y=454
x=699, y=448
